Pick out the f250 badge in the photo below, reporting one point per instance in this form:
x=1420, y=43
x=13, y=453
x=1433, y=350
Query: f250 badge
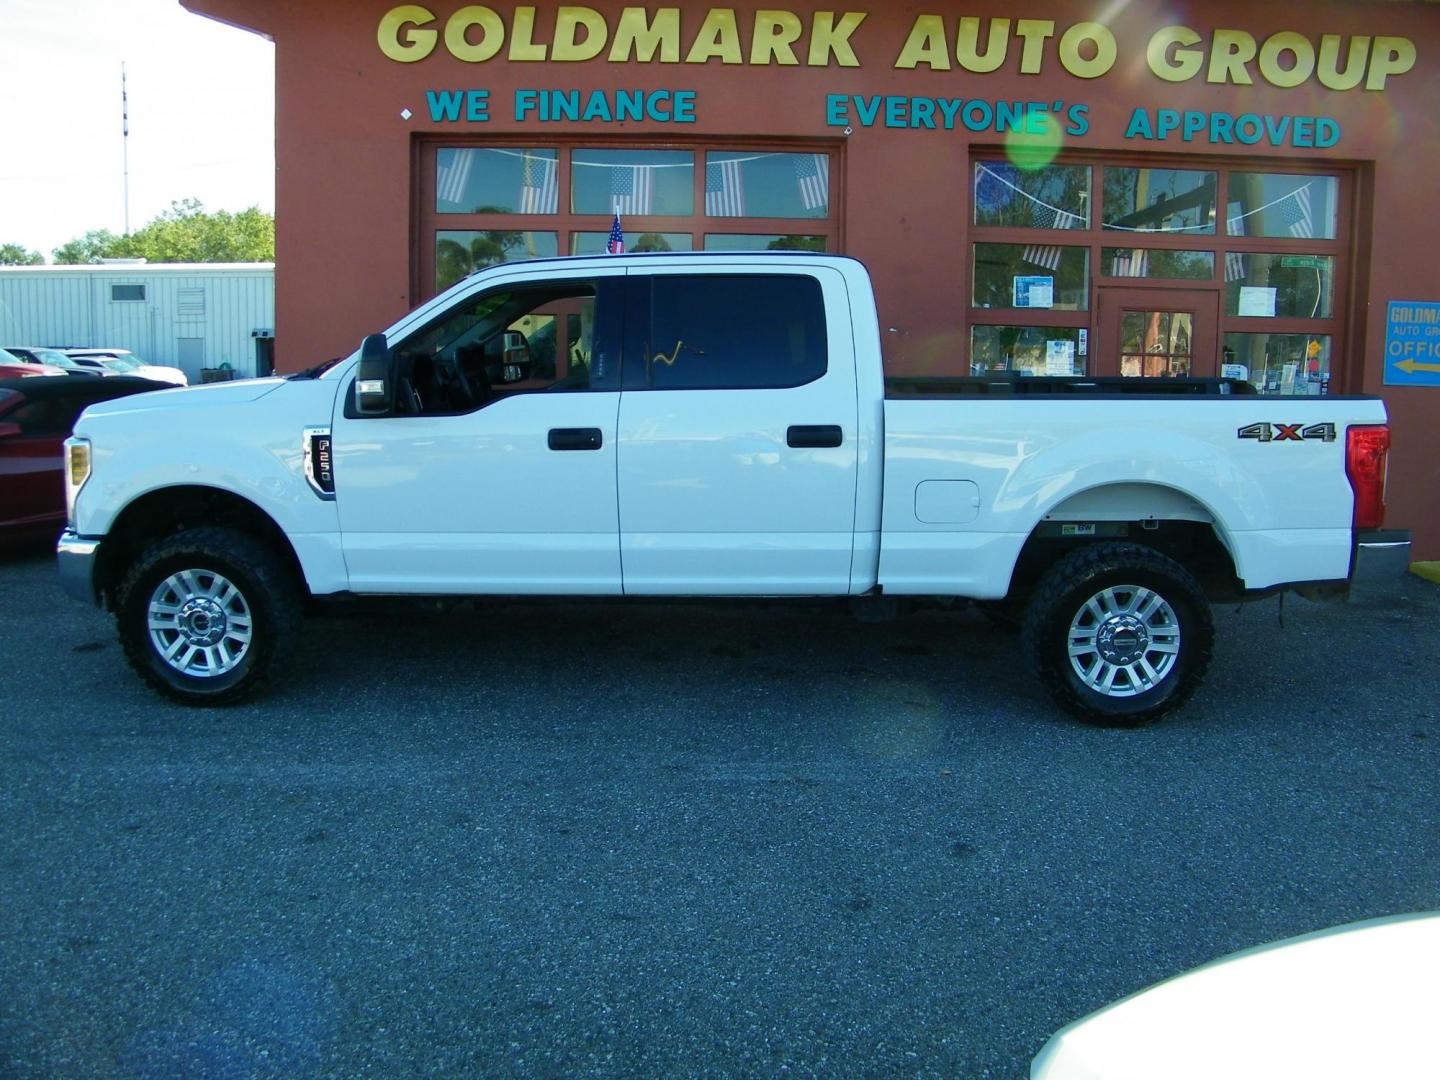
x=1287, y=432
x=319, y=461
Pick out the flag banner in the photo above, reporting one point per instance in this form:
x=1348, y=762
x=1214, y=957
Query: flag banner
x=1295, y=212
x=452, y=176
x=539, y=192
x=812, y=173
x=1045, y=216
x=630, y=189
x=1043, y=255
x=724, y=189
x=1132, y=263
x=616, y=244
x=1235, y=268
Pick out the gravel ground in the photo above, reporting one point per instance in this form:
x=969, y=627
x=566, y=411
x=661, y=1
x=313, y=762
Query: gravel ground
x=670, y=841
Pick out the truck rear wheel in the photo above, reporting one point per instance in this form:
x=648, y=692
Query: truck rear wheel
x=204, y=615
x=1118, y=634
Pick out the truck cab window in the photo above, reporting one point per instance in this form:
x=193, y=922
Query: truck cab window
x=545, y=337
x=734, y=332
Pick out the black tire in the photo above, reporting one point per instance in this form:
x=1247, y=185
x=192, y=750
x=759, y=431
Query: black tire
x=1153, y=659
x=253, y=630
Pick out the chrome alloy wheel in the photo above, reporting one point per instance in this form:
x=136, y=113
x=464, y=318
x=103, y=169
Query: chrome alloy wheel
x=200, y=623
x=1124, y=640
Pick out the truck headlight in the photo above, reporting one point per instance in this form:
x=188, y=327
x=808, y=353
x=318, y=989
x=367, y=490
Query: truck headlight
x=77, y=471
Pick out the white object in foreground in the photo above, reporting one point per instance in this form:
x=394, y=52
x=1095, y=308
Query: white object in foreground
x=1361, y=1000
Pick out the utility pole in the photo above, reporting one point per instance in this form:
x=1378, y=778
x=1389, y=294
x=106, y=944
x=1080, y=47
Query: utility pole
x=125, y=141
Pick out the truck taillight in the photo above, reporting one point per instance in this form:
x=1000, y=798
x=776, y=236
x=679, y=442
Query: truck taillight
x=1365, y=450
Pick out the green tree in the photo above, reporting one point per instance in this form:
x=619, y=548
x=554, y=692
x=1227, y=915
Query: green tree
x=19, y=255
x=90, y=248
x=186, y=232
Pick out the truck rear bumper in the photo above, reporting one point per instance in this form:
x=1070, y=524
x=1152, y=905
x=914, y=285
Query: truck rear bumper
x=77, y=558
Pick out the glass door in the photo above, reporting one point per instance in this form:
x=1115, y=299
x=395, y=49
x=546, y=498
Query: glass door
x=1157, y=333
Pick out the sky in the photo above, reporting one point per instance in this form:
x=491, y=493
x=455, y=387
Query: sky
x=202, y=116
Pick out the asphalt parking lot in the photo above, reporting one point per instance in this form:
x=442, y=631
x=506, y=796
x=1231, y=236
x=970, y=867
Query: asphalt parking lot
x=669, y=841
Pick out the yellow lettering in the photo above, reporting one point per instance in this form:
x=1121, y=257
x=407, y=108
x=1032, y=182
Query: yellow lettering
x=718, y=36
x=1105, y=50
x=457, y=34
x=522, y=36
x=1034, y=31
x=398, y=44
x=570, y=19
x=1278, y=44
x=967, y=38
x=1392, y=56
x=634, y=35
x=1230, y=51
x=775, y=32
x=827, y=38
x=926, y=45
x=1328, y=69
x=1182, y=63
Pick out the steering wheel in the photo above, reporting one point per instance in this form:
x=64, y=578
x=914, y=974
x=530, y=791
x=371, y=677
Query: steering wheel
x=450, y=371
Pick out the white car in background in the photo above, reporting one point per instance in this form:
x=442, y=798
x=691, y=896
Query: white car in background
x=125, y=362
x=1353, y=1002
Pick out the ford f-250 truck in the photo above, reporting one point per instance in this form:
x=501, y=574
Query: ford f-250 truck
x=706, y=426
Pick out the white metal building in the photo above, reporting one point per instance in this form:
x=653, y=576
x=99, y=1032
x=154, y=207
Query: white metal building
x=193, y=316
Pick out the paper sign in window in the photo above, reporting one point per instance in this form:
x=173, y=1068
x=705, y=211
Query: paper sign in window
x=1059, y=358
x=1257, y=300
x=1034, y=292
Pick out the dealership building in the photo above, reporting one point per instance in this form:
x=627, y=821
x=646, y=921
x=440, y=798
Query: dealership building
x=1131, y=188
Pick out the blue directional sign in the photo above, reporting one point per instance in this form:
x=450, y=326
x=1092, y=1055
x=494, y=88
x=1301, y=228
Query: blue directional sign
x=1412, y=343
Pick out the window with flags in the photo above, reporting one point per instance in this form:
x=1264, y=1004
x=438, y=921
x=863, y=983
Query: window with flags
x=495, y=203
x=479, y=180
x=1048, y=244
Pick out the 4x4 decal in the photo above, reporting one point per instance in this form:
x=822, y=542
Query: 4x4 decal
x=1287, y=432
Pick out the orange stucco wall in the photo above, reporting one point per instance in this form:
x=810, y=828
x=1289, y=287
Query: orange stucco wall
x=344, y=156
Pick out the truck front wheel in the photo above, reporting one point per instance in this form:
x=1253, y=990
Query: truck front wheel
x=205, y=614
x=1118, y=633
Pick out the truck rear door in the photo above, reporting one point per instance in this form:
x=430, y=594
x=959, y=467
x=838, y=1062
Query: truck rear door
x=737, y=431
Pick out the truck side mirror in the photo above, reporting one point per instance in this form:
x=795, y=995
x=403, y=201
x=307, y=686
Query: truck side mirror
x=375, y=379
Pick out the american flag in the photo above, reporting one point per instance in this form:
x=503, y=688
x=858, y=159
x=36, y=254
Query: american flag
x=630, y=189
x=616, y=244
x=452, y=175
x=724, y=189
x=1235, y=260
x=1043, y=255
x=1130, y=263
x=812, y=173
x=538, y=191
x=1295, y=211
x=1045, y=216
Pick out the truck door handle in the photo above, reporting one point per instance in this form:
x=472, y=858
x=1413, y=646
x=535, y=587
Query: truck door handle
x=802, y=436
x=575, y=438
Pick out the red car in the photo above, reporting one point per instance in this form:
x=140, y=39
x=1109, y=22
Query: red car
x=36, y=417
x=15, y=367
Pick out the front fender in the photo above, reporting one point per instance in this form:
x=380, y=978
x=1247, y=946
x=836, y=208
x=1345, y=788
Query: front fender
x=252, y=448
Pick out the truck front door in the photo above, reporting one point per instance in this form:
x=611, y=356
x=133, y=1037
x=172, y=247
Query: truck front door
x=738, y=432
x=495, y=472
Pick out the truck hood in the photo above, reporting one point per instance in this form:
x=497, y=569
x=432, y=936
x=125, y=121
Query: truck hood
x=224, y=393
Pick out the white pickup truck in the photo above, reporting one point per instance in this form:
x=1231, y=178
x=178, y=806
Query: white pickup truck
x=707, y=426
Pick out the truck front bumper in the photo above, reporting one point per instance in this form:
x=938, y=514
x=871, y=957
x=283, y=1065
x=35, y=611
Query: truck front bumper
x=78, y=558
